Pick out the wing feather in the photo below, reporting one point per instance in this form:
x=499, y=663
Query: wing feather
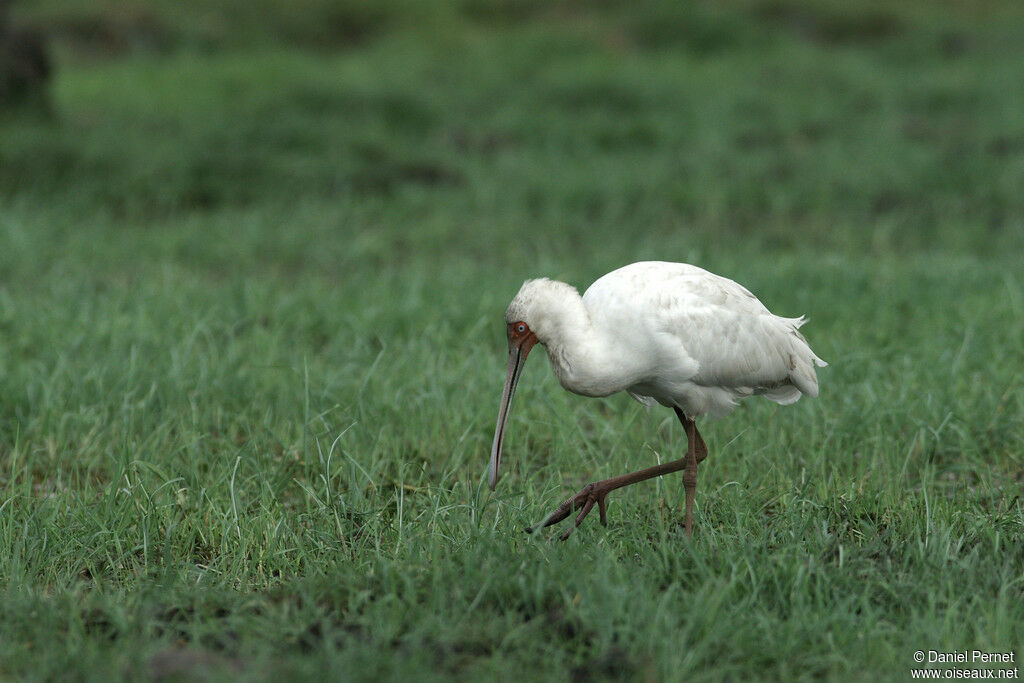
x=715, y=332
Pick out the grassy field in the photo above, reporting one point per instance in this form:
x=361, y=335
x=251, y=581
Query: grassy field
x=253, y=267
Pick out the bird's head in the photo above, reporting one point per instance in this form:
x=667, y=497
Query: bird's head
x=542, y=305
x=532, y=317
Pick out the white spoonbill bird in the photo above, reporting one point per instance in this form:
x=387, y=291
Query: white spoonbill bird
x=669, y=333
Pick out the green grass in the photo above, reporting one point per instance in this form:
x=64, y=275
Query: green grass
x=251, y=341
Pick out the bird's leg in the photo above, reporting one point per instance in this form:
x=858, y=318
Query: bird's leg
x=700, y=448
x=697, y=450
x=690, y=473
x=596, y=492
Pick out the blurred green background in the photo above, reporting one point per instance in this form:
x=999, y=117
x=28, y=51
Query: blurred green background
x=836, y=125
x=253, y=263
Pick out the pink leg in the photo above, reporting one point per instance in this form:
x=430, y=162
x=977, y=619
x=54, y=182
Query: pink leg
x=596, y=492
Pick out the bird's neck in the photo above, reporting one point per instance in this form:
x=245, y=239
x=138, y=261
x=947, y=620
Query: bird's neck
x=580, y=355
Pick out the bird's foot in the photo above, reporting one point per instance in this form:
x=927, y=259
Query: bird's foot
x=584, y=501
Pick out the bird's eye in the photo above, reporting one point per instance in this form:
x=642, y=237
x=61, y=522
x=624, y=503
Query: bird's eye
x=520, y=328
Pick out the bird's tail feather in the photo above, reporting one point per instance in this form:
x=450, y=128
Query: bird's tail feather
x=802, y=361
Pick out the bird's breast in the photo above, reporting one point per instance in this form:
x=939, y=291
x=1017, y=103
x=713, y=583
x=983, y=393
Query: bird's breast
x=574, y=373
x=593, y=369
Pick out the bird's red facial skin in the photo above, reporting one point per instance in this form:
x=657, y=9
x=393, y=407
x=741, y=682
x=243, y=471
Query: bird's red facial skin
x=519, y=334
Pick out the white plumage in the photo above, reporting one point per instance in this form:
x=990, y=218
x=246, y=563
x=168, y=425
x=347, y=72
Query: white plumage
x=671, y=333
x=668, y=333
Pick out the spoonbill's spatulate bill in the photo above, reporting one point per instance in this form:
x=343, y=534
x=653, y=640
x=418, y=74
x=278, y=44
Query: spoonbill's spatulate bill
x=667, y=333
